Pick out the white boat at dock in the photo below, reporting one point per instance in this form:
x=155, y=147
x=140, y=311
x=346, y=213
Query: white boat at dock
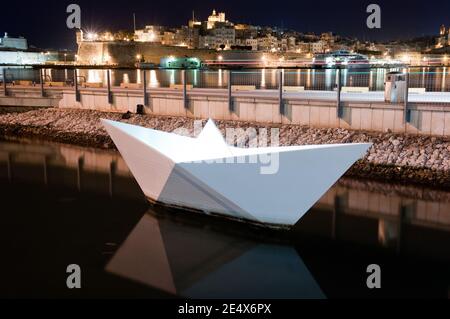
x=341, y=58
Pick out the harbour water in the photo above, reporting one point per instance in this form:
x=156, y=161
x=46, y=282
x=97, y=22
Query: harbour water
x=435, y=79
x=66, y=205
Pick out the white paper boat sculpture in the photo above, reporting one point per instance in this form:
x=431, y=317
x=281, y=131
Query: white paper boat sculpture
x=274, y=186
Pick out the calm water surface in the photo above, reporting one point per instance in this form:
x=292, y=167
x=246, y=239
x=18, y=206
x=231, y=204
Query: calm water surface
x=66, y=205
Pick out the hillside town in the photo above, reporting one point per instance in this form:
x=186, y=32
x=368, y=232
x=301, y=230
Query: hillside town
x=219, y=33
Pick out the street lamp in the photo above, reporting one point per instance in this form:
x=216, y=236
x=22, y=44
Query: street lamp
x=92, y=36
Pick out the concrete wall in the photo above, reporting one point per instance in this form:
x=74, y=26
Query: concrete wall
x=428, y=119
x=30, y=97
x=380, y=117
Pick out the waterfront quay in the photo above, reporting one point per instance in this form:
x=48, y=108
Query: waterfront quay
x=332, y=98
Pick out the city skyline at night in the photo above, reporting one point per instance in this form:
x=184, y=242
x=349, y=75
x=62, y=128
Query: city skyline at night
x=401, y=20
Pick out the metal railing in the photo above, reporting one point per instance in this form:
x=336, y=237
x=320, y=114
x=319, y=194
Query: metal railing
x=336, y=84
x=431, y=79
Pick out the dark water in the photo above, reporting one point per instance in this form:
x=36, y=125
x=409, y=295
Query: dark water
x=434, y=79
x=66, y=205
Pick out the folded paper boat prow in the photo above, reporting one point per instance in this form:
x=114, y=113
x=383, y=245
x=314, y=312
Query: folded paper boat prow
x=277, y=187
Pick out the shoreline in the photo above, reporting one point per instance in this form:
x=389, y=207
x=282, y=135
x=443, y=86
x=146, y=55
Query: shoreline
x=400, y=158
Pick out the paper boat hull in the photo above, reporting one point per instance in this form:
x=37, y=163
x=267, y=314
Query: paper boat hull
x=233, y=185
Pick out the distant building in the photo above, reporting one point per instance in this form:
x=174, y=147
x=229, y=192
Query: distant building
x=151, y=33
x=223, y=37
x=268, y=43
x=181, y=36
x=15, y=51
x=291, y=44
x=303, y=47
x=13, y=43
x=252, y=43
x=444, y=37
x=328, y=38
x=214, y=18
x=169, y=38
x=193, y=37
x=318, y=47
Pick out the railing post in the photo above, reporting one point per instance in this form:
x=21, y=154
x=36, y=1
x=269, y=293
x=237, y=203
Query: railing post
x=185, y=101
x=108, y=81
x=77, y=92
x=145, y=88
x=338, y=94
x=230, y=98
x=42, y=82
x=280, y=92
x=5, y=92
x=406, y=110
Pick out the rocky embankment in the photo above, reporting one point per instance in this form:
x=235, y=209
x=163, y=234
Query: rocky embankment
x=396, y=157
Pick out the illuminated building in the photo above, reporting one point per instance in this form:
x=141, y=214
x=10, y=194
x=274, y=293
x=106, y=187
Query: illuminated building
x=214, y=18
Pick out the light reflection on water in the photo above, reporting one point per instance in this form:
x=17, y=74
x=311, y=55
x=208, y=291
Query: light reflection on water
x=431, y=78
x=211, y=264
x=196, y=256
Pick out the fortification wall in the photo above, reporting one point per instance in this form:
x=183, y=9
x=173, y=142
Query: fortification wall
x=124, y=53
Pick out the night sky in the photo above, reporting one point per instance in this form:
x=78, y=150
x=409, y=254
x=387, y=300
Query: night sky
x=43, y=22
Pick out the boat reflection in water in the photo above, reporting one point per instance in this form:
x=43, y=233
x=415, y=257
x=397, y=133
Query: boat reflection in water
x=89, y=199
x=195, y=262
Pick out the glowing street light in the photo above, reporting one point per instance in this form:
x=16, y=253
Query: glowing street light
x=92, y=36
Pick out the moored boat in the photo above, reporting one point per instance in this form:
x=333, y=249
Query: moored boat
x=341, y=58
